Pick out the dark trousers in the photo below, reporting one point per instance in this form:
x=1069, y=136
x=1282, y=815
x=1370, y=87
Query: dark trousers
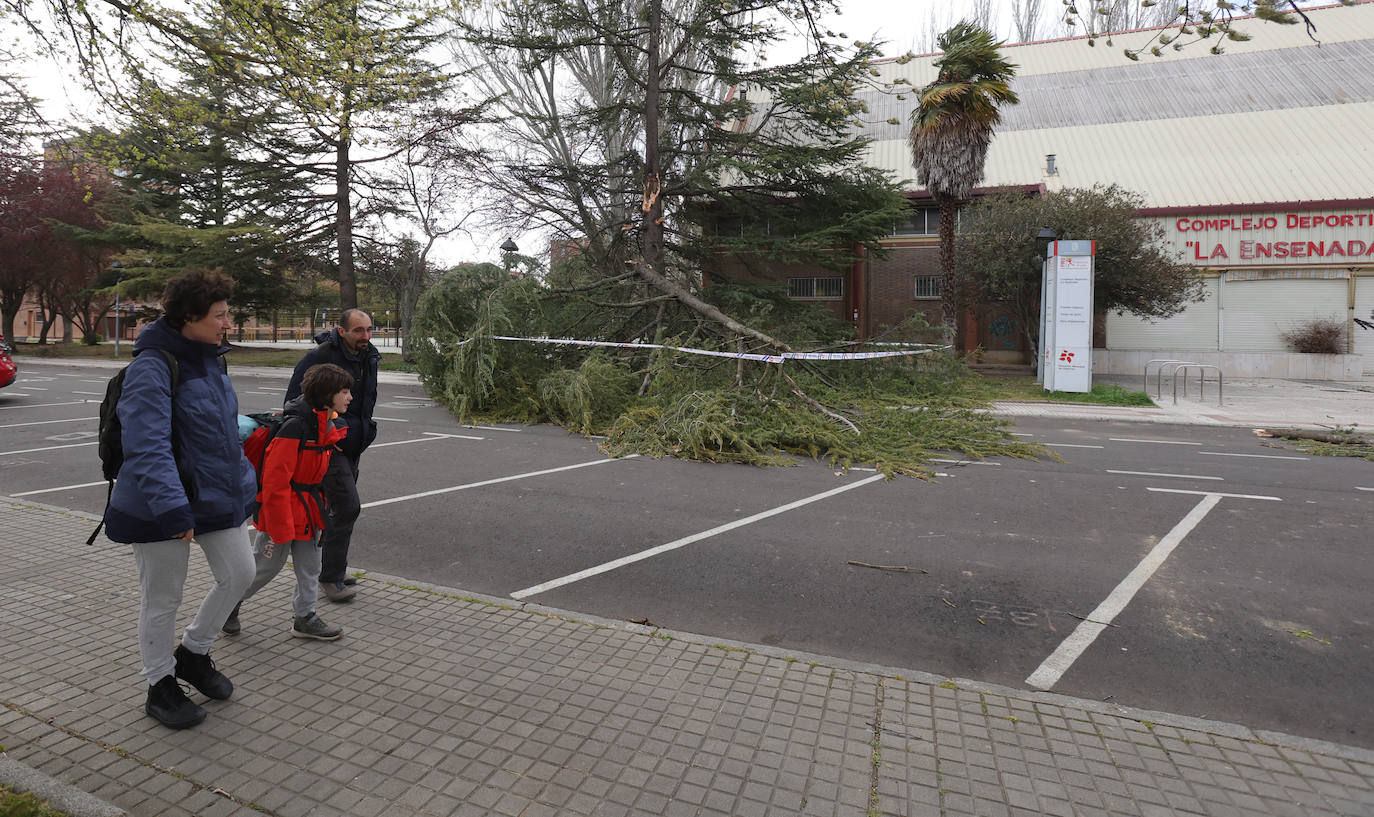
x=341, y=496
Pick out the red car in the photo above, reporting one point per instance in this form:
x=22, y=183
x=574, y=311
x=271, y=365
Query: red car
x=7, y=368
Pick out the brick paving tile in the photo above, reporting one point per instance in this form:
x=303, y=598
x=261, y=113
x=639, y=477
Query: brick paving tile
x=440, y=704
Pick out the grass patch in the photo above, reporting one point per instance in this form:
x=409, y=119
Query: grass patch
x=239, y=356
x=23, y=804
x=1025, y=389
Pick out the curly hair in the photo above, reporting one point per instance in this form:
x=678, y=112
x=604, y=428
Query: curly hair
x=188, y=297
x=322, y=381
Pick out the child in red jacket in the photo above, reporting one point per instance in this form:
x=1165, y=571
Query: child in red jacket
x=292, y=511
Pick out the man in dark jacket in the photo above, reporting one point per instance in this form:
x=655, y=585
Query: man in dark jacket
x=349, y=345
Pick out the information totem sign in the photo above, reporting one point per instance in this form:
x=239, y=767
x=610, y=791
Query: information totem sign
x=1066, y=316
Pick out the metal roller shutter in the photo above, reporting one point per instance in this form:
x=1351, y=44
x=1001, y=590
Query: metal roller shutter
x=1364, y=310
x=1193, y=329
x=1256, y=313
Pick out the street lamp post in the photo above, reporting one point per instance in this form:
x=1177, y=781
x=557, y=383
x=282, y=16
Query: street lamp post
x=508, y=247
x=1043, y=239
x=114, y=265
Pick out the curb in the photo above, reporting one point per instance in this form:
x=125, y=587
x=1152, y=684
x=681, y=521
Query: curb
x=68, y=799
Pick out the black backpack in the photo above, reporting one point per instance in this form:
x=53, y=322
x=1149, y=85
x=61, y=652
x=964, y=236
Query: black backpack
x=110, y=440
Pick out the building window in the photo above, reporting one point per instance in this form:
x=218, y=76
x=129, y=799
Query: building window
x=924, y=221
x=927, y=286
x=829, y=287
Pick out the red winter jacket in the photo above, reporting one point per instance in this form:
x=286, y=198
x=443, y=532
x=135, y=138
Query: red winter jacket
x=291, y=502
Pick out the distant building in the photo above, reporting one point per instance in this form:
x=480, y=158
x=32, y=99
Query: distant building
x=1258, y=163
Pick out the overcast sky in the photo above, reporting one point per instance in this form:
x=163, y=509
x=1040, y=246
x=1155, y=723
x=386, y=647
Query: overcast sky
x=909, y=26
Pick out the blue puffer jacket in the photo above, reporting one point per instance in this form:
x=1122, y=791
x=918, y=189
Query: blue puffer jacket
x=210, y=486
x=362, y=429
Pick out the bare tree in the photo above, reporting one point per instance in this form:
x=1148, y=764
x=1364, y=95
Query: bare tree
x=1025, y=17
x=434, y=189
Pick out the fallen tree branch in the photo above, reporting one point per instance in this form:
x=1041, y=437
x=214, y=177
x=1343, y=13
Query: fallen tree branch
x=692, y=302
x=1336, y=437
x=898, y=568
x=811, y=401
x=1089, y=620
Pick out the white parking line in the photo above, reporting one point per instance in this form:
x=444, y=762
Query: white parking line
x=49, y=448
x=1157, y=474
x=42, y=405
x=62, y=488
x=1053, y=668
x=494, y=428
x=1213, y=493
x=686, y=540
x=96, y=393
x=1358, y=488
x=1158, y=442
x=965, y=462
x=430, y=437
x=1257, y=456
x=485, y=482
x=1072, y=445
x=389, y=419
x=48, y=422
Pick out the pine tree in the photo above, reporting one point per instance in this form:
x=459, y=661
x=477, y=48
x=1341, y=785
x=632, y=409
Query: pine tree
x=628, y=141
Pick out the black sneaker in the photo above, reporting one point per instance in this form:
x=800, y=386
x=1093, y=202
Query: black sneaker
x=199, y=671
x=169, y=706
x=312, y=626
x=231, y=625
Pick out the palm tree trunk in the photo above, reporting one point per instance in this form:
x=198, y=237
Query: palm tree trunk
x=949, y=282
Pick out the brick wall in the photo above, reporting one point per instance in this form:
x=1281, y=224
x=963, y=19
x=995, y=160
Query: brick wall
x=769, y=272
x=892, y=284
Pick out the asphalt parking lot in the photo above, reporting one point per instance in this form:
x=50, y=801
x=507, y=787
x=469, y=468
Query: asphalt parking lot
x=1184, y=569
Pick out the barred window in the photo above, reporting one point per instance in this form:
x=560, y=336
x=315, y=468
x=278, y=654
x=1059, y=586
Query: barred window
x=829, y=287
x=927, y=286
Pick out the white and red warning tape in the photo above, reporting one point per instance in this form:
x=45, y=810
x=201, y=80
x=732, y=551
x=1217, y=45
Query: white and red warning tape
x=778, y=357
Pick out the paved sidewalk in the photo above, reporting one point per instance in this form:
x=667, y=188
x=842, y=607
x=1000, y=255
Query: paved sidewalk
x=437, y=702
x=1248, y=403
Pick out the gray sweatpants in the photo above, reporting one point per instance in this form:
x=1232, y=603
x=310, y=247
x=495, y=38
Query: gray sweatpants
x=161, y=580
x=305, y=557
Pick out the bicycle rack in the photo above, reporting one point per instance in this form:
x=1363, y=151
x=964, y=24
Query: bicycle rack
x=1201, y=380
x=1159, y=375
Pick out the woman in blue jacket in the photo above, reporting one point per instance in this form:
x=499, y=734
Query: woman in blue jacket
x=184, y=478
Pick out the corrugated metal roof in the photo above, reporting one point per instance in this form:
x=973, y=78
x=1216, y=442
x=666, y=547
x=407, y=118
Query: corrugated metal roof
x=1276, y=119
x=1311, y=154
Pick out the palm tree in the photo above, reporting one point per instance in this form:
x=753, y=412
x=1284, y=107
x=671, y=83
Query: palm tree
x=950, y=132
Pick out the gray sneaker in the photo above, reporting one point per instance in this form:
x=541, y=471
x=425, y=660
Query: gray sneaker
x=231, y=625
x=338, y=592
x=312, y=626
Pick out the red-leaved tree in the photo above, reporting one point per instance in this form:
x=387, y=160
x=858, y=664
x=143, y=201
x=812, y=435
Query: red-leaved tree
x=48, y=209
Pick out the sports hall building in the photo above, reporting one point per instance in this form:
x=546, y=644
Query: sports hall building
x=1258, y=163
